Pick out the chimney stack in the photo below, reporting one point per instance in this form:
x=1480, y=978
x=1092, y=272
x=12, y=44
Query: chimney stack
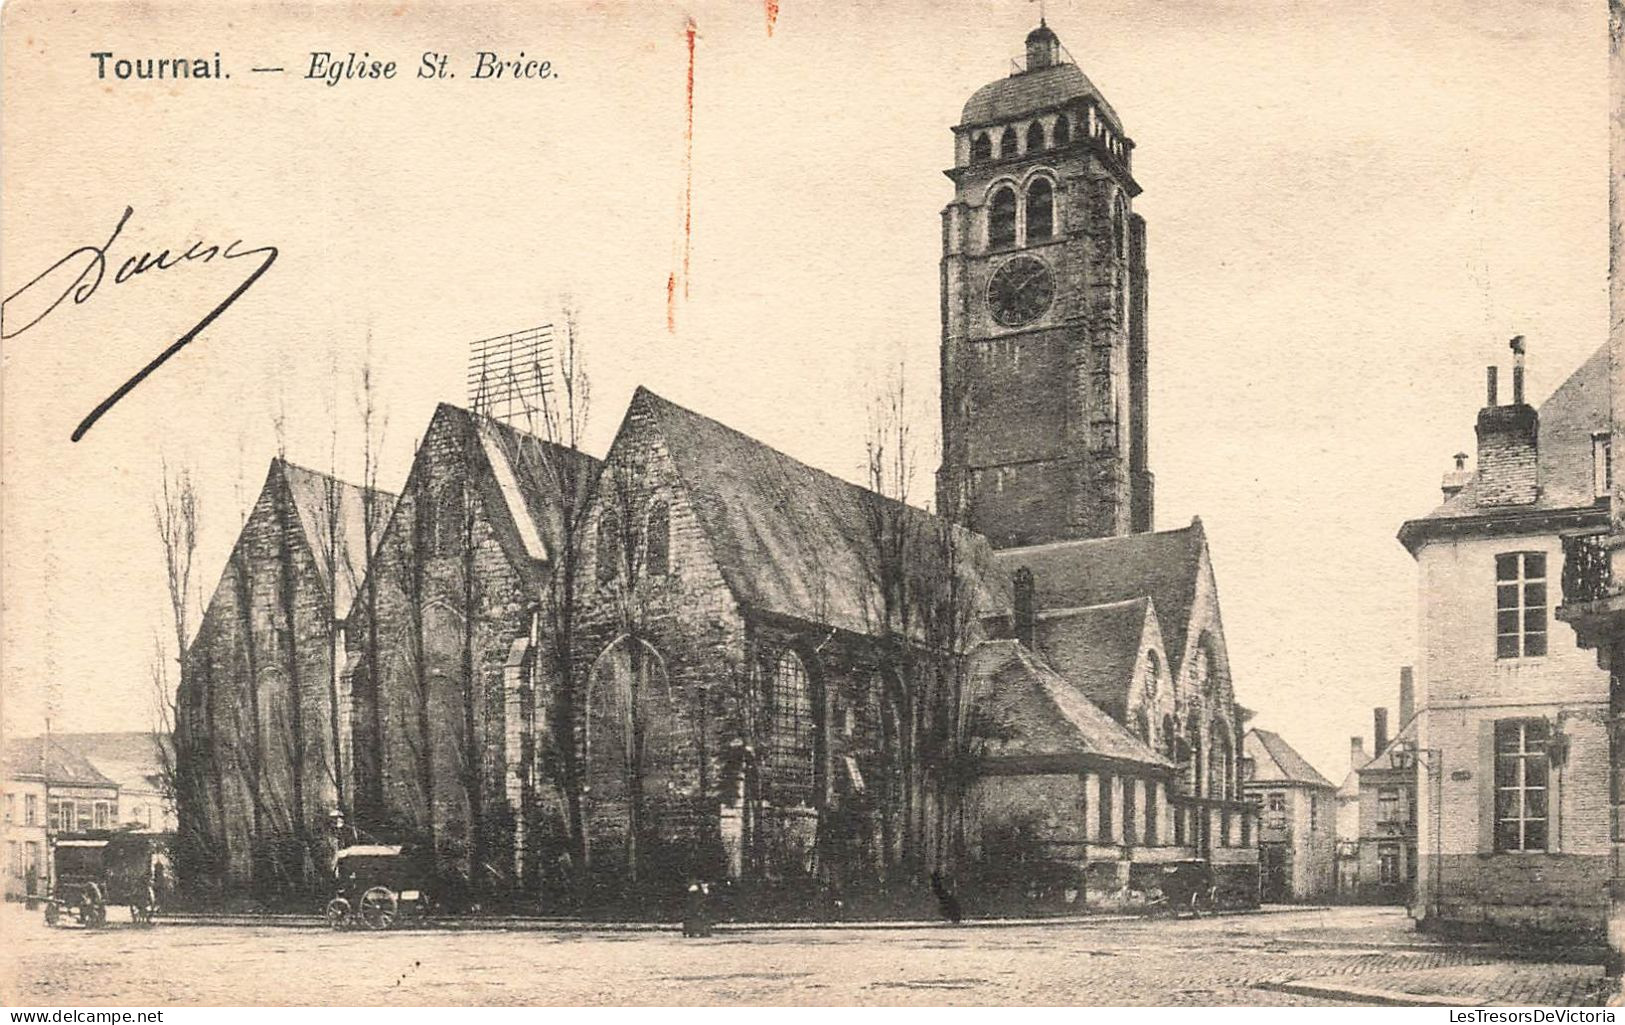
x=1491, y=393
x=1458, y=478
x=1407, y=696
x=1357, y=758
x=1508, y=443
x=1380, y=740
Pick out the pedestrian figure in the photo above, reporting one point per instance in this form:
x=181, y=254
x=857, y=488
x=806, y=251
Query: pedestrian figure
x=696, y=912
x=947, y=903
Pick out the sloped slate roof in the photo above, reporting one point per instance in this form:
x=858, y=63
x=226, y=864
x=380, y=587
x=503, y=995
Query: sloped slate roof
x=326, y=504
x=1161, y=566
x=1097, y=648
x=1568, y=419
x=526, y=476
x=1027, y=91
x=1046, y=715
x=797, y=541
x=129, y=757
x=58, y=764
x=1275, y=761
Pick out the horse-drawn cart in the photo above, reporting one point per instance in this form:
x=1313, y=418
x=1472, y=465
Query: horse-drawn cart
x=379, y=887
x=93, y=870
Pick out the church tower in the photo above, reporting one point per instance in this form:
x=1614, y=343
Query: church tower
x=1043, y=313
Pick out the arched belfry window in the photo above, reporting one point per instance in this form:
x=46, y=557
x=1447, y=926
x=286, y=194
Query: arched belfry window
x=981, y=147
x=609, y=547
x=1001, y=218
x=657, y=540
x=790, y=729
x=1063, y=131
x=1040, y=209
x=1035, y=137
x=1120, y=226
x=1008, y=143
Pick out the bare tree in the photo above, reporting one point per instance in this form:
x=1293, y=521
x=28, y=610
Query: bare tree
x=182, y=756
x=374, y=515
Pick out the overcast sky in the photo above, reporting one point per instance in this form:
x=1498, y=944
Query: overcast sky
x=1350, y=208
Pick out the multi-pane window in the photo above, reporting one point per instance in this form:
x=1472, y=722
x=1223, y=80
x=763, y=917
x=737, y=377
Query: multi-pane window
x=1314, y=812
x=1388, y=862
x=1520, y=604
x=30, y=810
x=790, y=746
x=1001, y=218
x=1388, y=804
x=1521, y=771
x=101, y=815
x=1277, y=815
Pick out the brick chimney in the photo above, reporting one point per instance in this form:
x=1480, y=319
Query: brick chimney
x=1380, y=739
x=1508, y=442
x=1357, y=758
x=1407, y=696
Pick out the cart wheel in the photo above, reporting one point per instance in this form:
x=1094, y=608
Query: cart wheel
x=338, y=913
x=379, y=907
x=53, y=914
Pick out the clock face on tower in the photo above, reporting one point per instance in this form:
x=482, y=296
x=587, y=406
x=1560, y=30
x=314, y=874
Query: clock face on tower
x=1021, y=291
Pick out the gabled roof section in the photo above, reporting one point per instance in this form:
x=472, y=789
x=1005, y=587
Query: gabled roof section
x=796, y=541
x=1569, y=418
x=527, y=474
x=1045, y=714
x=32, y=757
x=1096, y=648
x=1163, y=566
x=1275, y=761
x=333, y=511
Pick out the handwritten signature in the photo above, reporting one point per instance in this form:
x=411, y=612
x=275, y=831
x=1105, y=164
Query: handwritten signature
x=92, y=263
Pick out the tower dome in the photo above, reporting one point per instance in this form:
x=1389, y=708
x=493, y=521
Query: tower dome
x=1043, y=47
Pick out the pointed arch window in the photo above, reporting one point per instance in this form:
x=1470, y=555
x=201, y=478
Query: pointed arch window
x=1001, y=218
x=790, y=729
x=981, y=147
x=1008, y=143
x=1120, y=227
x=657, y=540
x=1063, y=131
x=1035, y=137
x=1040, y=209
x=609, y=547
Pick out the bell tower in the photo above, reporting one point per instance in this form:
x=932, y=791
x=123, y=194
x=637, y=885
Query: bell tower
x=1043, y=313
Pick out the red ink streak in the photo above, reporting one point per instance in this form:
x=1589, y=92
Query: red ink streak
x=671, y=303
x=772, y=16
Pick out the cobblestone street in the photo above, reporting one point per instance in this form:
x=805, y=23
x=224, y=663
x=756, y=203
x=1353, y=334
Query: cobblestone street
x=1308, y=957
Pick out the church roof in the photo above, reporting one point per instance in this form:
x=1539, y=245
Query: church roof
x=1569, y=418
x=1097, y=648
x=1275, y=761
x=1042, y=714
x=527, y=474
x=327, y=505
x=1027, y=92
x=796, y=541
x=1161, y=565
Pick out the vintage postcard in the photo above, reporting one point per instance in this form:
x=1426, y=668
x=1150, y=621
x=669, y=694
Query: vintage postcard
x=760, y=502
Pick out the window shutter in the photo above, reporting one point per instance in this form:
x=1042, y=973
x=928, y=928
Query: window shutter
x=1486, y=787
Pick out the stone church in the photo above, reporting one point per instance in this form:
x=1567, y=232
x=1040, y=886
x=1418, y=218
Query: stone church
x=700, y=657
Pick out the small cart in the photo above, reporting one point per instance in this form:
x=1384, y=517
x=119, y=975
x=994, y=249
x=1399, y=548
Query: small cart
x=93, y=870
x=379, y=887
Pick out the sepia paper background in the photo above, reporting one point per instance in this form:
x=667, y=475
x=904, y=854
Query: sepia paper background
x=1350, y=208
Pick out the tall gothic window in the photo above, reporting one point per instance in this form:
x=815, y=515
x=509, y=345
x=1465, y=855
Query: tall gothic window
x=1063, y=131
x=1001, y=218
x=981, y=147
x=790, y=740
x=1120, y=227
x=1008, y=143
x=1218, y=767
x=1040, y=209
x=1035, y=137
x=609, y=547
x=657, y=541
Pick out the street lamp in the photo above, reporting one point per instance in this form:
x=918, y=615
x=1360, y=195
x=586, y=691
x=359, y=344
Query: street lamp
x=1405, y=754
